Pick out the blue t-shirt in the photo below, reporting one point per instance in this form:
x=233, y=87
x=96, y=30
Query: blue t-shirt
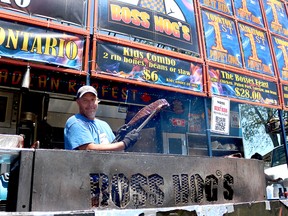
x=79, y=131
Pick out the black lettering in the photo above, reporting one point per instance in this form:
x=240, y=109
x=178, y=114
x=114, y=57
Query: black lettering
x=156, y=196
x=181, y=188
x=139, y=195
x=211, y=191
x=197, y=188
x=228, y=181
x=120, y=190
x=148, y=190
x=96, y=189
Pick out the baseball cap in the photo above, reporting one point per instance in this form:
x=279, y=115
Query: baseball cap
x=85, y=89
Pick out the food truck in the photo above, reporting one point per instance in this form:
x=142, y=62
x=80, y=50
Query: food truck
x=205, y=58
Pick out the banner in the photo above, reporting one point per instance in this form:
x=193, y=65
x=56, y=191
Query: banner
x=280, y=47
x=256, y=50
x=61, y=10
x=170, y=23
x=67, y=83
x=276, y=16
x=41, y=80
x=220, y=118
x=249, y=11
x=225, y=83
x=221, y=39
x=36, y=44
x=223, y=6
x=144, y=66
x=285, y=95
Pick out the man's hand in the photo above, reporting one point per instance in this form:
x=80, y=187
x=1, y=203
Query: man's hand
x=130, y=139
x=277, y=180
x=123, y=130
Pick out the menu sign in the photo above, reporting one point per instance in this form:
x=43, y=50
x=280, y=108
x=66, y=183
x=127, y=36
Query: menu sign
x=248, y=88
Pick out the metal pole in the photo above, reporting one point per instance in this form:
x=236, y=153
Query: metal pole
x=208, y=133
x=88, y=78
x=283, y=134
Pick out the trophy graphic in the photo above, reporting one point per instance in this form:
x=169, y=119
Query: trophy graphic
x=285, y=55
x=244, y=12
x=275, y=23
x=254, y=55
x=218, y=39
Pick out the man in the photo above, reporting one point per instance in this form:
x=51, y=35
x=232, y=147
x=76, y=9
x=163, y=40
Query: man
x=269, y=179
x=83, y=131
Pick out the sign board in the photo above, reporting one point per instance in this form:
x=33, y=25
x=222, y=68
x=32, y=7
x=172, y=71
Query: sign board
x=285, y=95
x=141, y=65
x=249, y=11
x=62, y=10
x=221, y=39
x=277, y=17
x=220, y=115
x=223, y=6
x=67, y=83
x=41, y=45
x=280, y=46
x=170, y=23
x=256, y=50
x=234, y=85
x=134, y=180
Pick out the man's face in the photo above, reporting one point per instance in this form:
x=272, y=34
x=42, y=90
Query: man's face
x=88, y=105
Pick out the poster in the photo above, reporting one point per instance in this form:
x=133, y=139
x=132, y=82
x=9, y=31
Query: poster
x=195, y=123
x=220, y=115
x=41, y=45
x=234, y=119
x=61, y=10
x=223, y=6
x=247, y=88
x=256, y=50
x=221, y=39
x=249, y=11
x=276, y=15
x=144, y=66
x=280, y=47
x=164, y=22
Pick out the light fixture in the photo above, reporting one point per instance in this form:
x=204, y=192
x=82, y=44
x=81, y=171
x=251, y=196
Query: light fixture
x=26, y=79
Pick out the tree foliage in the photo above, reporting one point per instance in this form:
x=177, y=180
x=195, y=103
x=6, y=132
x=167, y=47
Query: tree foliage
x=254, y=121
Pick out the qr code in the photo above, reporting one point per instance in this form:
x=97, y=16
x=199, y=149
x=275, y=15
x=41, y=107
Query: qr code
x=220, y=123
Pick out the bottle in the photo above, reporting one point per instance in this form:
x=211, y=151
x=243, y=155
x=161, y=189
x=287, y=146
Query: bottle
x=280, y=193
x=275, y=191
x=285, y=193
x=269, y=192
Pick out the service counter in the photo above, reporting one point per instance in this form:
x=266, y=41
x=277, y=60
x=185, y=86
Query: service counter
x=61, y=180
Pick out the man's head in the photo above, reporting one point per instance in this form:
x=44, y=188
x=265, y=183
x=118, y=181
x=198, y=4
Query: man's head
x=257, y=156
x=87, y=101
x=85, y=89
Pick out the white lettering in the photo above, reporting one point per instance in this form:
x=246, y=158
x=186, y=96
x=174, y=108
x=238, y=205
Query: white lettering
x=19, y=3
x=23, y=3
x=6, y=1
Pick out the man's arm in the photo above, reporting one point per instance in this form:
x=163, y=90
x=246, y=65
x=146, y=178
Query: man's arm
x=128, y=141
x=271, y=179
x=119, y=146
